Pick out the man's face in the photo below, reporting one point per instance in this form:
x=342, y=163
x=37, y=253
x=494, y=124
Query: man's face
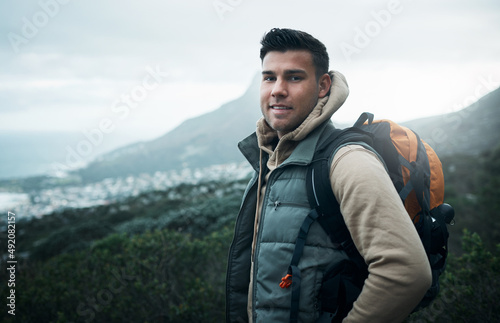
x=289, y=90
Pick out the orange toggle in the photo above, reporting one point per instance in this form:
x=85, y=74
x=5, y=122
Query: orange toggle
x=286, y=281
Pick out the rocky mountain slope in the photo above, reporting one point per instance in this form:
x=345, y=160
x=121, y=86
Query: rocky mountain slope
x=202, y=141
x=470, y=131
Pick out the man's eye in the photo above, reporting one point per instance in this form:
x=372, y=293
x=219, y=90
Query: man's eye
x=295, y=78
x=269, y=78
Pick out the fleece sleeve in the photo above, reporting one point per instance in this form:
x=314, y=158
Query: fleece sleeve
x=398, y=270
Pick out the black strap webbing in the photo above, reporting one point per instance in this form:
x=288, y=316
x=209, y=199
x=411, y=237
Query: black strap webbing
x=294, y=269
x=296, y=280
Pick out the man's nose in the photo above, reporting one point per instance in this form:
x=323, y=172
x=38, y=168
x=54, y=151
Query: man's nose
x=280, y=88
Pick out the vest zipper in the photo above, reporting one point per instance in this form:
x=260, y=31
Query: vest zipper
x=279, y=203
x=255, y=259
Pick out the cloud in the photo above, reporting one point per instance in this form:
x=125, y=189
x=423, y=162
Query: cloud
x=86, y=54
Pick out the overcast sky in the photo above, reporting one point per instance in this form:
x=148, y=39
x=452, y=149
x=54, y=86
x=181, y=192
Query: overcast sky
x=142, y=67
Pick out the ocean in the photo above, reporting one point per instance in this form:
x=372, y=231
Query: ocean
x=38, y=153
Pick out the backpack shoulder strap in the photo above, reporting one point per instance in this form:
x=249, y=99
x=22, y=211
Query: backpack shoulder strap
x=319, y=190
x=324, y=209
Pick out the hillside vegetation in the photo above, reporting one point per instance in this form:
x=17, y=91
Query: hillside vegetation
x=161, y=256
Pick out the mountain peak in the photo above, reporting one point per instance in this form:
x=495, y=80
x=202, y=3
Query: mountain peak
x=208, y=139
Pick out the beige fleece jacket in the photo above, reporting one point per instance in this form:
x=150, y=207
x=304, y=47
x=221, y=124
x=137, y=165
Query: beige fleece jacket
x=399, y=273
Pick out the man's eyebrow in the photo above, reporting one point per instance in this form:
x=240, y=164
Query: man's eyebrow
x=296, y=71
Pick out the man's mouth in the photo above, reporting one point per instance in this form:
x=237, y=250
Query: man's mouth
x=279, y=107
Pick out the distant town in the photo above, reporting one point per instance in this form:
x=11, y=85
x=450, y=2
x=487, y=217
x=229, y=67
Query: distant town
x=112, y=190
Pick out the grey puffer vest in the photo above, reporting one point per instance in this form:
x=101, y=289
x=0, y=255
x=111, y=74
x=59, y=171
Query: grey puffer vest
x=285, y=207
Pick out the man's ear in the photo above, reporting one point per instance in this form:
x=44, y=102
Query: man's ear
x=324, y=82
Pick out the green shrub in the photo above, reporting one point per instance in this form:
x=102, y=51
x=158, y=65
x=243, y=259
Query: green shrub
x=152, y=277
x=470, y=286
x=69, y=239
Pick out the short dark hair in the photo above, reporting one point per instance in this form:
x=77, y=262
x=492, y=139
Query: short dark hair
x=285, y=39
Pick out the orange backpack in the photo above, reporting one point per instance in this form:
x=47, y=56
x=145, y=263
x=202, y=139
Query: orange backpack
x=417, y=175
x=407, y=145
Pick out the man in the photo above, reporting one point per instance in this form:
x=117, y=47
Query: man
x=298, y=97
